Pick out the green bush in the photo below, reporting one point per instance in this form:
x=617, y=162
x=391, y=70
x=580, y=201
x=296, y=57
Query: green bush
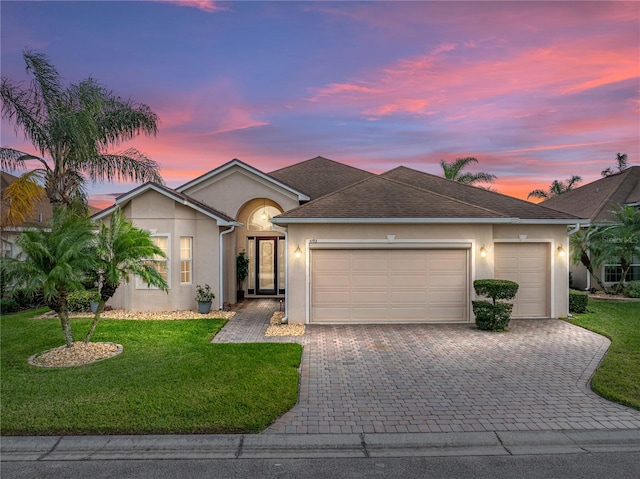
x=492, y=317
x=632, y=290
x=496, y=288
x=26, y=300
x=8, y=306
x=80, y=301
x=578, y=301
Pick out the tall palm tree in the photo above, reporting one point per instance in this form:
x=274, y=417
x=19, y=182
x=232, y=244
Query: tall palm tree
x=123, y=249
x=453, y=171
x=72, y=129
x=622, y=163
x=556, y=188
x=56, y=262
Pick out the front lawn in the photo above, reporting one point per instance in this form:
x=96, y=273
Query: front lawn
x=169, y=379
x=618, y=377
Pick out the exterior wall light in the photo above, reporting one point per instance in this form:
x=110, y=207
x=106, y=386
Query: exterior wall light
x=298, y=252
x=483, y=252
x=561, y=251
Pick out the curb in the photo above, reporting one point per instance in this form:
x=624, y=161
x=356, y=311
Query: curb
x=239, y=446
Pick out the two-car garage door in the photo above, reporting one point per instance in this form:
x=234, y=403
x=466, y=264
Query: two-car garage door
x=389, y=285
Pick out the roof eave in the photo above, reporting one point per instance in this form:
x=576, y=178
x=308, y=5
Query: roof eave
x=301, y=196
x=556, y=221
x=121, y=200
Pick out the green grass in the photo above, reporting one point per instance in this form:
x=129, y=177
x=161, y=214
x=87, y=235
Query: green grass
x=618, y=377
x=169, y=379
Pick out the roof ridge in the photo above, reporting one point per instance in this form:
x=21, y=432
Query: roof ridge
x=443, y=196
x=319, y=157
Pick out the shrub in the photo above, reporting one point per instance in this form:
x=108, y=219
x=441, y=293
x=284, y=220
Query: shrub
x=8, y=306
x=632, y=290
x=494, y=316
x=578, y=301
x=26, y=300
x=80, y=301
x=496, y=288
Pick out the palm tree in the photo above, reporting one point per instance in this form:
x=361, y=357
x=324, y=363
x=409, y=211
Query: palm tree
x=123, y=249
x=453, y=171
x=557, y=188
x=619, y=243
x=72, y=128
x=20, y=198
x=621, y=160
x=56, y=262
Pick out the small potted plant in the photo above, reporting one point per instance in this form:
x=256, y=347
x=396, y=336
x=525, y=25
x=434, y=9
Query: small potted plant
x=204, y=296
x=242, y=271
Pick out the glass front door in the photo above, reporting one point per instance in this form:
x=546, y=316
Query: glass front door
x=266, y=265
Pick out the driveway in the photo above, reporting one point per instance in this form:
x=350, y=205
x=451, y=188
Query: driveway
x=441, y=378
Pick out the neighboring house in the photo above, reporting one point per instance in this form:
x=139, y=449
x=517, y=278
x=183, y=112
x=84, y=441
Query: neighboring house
x=596, y=201
x=41, y=217
x=344, y=245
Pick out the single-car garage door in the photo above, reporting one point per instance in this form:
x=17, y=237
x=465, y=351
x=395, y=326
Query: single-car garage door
x=389, y=285
x=528, y=265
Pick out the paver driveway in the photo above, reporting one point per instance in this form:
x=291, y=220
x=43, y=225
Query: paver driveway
x=441, y=378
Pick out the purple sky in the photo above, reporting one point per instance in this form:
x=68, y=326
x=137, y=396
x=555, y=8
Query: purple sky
x=536, y=91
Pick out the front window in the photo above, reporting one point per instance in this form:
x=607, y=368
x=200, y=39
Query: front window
x=613, y=272
x=186, y=263
x=159, y=263
x=259, y=218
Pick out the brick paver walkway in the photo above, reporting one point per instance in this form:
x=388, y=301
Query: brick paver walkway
x=440, y=378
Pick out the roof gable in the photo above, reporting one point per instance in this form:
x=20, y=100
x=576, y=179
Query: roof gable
x=320, y=176
x=237, y=163
x=221, y=218
x=503, y=204
x=595, y=200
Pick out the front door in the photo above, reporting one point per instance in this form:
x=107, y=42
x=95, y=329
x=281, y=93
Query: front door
x=266, y=265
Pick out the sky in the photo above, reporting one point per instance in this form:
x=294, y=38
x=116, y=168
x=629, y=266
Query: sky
x=536, y=91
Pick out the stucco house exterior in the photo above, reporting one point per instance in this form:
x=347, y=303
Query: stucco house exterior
x=339, y=244
x=596, y=201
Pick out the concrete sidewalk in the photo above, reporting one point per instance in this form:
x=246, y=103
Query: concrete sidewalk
x=235, y=446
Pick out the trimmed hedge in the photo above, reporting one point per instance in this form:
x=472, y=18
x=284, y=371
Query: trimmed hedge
x=9, y=306
x=492, y=317
x=496, y=288
x=632, y=290
x=578, y=301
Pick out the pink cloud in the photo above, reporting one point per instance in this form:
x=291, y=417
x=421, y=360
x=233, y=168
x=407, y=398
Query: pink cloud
x=204, y=5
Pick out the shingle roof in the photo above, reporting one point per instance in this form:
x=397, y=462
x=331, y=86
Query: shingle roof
x=505, y=205
x=379, y=197
x=171, y=193
x=319, y=176
x=596, y=199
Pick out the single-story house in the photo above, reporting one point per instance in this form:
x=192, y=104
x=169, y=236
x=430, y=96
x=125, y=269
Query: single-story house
x=596, y=201
x=339, y=244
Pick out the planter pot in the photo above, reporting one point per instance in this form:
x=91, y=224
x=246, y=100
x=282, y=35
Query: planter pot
x=240, y=296
x=204, y=307
x=94, y=306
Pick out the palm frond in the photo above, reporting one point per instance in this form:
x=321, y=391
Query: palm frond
x=21, y=197
x=128, y=165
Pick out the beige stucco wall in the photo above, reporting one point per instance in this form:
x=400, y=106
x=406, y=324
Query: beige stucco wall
x=163, y=216
x=478, y=234
x=229, y=191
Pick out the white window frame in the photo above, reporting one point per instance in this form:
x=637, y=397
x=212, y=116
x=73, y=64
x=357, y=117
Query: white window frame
x=188, y=260
x=140, y=284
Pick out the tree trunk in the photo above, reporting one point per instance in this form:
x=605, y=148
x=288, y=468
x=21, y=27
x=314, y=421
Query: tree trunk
x=63, y=314
x=94, y=323
x=586, y=261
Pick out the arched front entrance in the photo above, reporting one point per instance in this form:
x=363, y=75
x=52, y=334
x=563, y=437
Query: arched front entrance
x=264, y=247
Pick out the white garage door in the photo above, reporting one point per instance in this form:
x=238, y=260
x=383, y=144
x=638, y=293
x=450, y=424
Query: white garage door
x=389, y=286
x=528, y=265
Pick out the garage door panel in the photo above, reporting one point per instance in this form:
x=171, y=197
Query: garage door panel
x=391, y=285
x=408, y=281
x=359, y=281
